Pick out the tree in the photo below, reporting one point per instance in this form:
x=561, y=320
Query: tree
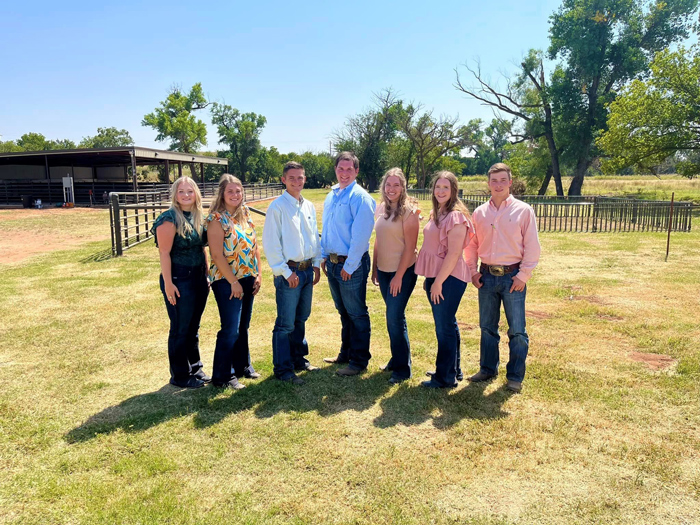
x=174, y=120
x=433, y=138
x=38, y=142
x=368, y=135
x=603, y=45
x=241, y=133
x=527, y=98
x=107, y=138
x=9, y=146
x=657, y=118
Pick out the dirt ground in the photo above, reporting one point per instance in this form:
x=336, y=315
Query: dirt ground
x=39, y=237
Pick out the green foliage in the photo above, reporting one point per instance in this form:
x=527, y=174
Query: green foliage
x=174, y=119
x=241, y=133
x=38, y=142
x=369, y=134
x=530, y=162
x=657, y=117
x=107, y=138
x=602, y=45
x=9, y=146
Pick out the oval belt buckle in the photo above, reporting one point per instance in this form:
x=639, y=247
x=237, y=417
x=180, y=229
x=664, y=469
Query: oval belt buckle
x=497, y=271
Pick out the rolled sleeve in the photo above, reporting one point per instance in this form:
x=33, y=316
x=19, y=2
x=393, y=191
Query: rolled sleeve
x=272, y=243
x=363, y=207
x=531, y=247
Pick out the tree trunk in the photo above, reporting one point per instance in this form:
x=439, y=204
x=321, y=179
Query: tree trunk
x=553, y=152
x=545, y=182
x=579, y=173
x=194, y=172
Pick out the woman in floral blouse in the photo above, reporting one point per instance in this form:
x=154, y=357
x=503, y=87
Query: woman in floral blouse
x=235, y=279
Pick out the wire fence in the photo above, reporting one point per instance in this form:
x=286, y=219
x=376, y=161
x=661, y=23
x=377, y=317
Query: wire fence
x=601, y=214
x=132, y=214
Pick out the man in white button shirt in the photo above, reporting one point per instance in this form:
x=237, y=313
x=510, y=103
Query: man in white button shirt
x=293, y=251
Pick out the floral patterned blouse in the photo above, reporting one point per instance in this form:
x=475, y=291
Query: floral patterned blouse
x=240, y=245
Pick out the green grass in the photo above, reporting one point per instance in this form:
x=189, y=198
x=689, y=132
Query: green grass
x=90, y=431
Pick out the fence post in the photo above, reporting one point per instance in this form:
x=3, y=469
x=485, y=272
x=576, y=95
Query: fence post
x=114, y=218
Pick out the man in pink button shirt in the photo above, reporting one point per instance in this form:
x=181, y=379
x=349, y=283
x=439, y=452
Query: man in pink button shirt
x=506, y=242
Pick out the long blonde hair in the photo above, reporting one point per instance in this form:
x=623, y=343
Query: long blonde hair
x=404, y=203
x=454, y=204
x=218, y=204
x=183, y=226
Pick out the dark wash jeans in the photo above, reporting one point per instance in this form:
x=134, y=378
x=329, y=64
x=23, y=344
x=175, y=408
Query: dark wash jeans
x=350, y=298
x=496, y=290
x=289, y=346
x=232, y=355
x=446, y=330
x=185, y=315
x=400, y=363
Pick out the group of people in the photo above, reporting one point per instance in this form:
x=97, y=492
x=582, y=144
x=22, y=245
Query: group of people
x=501, y=235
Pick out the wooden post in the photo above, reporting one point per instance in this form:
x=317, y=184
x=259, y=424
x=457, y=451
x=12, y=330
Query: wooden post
x=670, y=219
x=179, y=168
x=48, y=177
x=116, y=226
x=167, y=173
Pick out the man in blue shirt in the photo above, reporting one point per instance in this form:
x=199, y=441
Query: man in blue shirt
x=348, y=220
x=292, y=248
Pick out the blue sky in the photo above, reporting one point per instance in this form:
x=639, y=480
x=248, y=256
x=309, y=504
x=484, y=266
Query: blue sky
x=71, y=67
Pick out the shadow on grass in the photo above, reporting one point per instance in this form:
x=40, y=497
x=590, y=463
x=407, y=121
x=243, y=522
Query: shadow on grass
x=413, y=405
x=101, y=256
x=324, y=393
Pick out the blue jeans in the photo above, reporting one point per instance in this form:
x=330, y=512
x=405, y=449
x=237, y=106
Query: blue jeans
x=494, y=291
x=185, y=315
x=446, y=330
x=350, y=298
x=232, y=355
x=400, y=363
x=289, y=346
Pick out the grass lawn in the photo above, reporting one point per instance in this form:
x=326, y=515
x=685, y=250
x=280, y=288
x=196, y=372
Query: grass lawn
x=607, y=429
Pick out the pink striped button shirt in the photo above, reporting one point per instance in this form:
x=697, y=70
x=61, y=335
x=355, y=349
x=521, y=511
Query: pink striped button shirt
x=505, y=235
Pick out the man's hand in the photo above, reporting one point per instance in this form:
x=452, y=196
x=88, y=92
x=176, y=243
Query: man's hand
x=317, y=275
x=293, y=280
x=518, y=285
x=323, y=267
x=345, y=275
x=476, y=280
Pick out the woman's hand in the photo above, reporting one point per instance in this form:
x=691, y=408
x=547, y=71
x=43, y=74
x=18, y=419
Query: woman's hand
x=395, y=285
x=436, y=292
x=375, y=277
x=236, y=290
x=256, y=284
x=172, y=293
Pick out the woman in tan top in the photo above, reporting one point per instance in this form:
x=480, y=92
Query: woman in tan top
x=397, y=224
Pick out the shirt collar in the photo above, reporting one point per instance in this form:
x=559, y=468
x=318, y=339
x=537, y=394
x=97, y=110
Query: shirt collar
x=337, y=190
x=505, y=203
x=292, y=200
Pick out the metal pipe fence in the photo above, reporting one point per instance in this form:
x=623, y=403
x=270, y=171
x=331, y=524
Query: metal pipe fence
x=132, y=214
x=601, y=214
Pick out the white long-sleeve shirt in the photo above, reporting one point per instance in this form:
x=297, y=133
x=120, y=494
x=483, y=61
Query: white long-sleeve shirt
x=290, y=234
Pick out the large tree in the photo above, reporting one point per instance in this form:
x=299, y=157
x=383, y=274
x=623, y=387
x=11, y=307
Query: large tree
x=433, y=138
x=241, y=133
x=38, y=142
x=658, y=117
x=601, y=46
x=107, y=138
x=175, y=121
x=368, y=135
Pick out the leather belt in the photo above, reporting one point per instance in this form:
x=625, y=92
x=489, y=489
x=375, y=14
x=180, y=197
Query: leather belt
x=335, y=258
x=498, y=270
x=301, y=266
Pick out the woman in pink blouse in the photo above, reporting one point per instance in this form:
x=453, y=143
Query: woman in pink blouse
x=396, y=225
x=441, y=261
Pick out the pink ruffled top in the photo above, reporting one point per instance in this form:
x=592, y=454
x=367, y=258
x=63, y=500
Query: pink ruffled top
x=434, y=250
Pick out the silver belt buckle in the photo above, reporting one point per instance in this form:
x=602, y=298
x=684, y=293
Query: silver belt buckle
x=497, y=271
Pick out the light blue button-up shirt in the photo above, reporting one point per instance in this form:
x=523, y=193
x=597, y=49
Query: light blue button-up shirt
x=348, y=220
x=290, y=234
